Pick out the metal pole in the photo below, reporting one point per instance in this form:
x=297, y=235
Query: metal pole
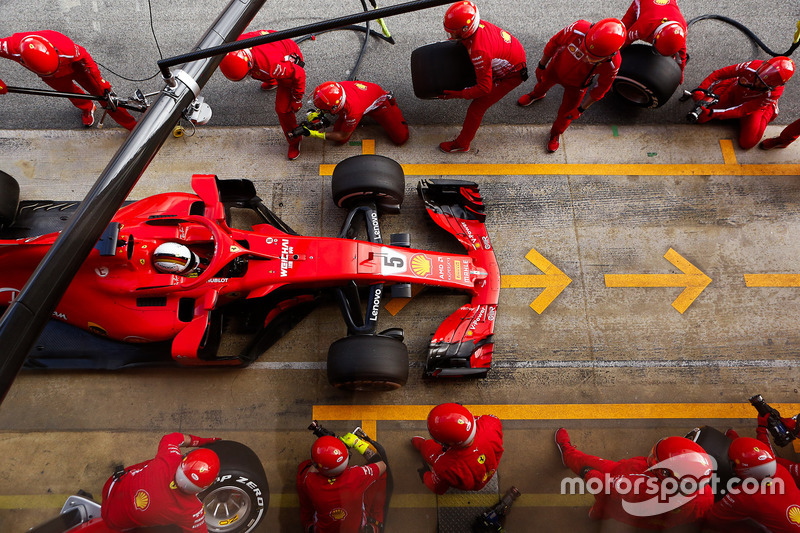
x=26, y=317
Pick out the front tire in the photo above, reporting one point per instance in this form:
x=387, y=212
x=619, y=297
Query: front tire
x=368, y=363
x=237, y=502
x=369, y=178
x=9, y=199
x=646, y=78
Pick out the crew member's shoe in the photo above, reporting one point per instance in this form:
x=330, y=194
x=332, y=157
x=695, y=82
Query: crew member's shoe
x=269, y=85
x=562, y=441
x=553, y=144
x=452, y=146
x=769, y=144
x=88, y=116
x=294, y=151
x=731, y=434
x=417, y=443
x=527, y=99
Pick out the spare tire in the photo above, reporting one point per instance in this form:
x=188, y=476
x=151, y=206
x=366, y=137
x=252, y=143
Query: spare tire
x=9, y=199
x=439, y=66
x=646, y=78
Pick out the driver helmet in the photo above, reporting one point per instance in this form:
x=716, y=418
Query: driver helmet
x=330, y=96
x=775, y=71
x=330, y=456
x=38, y=54
x=236, y=65
x=679, y=457
x=461, y=20
x=669, y=38
x=175, y=258
x=197, y=471
x=751, y=458
x=604, y=38
x=452, y=424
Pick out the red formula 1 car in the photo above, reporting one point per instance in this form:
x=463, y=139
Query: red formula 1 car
x=171, y=274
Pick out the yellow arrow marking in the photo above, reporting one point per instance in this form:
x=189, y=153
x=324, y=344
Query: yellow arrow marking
x=772, y=280
x=692, y=278
x=553, y=281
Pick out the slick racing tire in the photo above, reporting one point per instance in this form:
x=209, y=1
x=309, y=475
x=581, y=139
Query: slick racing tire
x=646, y=78
x=439, y=66
x=237, y=502
x=9, y=199
x=368, y=363
x=369, y=178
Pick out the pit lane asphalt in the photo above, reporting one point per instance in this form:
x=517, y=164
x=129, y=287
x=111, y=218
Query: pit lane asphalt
x=620, y=367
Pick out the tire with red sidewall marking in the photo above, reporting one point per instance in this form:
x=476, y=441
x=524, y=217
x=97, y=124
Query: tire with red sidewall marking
x=646, y=78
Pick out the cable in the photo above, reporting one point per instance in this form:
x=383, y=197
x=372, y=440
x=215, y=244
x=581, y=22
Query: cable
x=161, y=56
x=744, y=29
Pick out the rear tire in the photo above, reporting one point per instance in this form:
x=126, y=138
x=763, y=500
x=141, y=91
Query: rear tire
x=369, y=177
x=646, y=78
x=439, y=66
x=9, y=199
x=237, y=502
x=368, y=363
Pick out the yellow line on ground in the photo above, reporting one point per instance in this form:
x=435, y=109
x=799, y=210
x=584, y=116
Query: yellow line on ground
x=772, y=280
x=368, y=146
x=728, y=153
x=33, y=501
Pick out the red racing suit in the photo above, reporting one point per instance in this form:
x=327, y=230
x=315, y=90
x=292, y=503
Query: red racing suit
x=365, y=98
x=618, y=479
x=644, y=17
x=778, y=512
x=468, y=468
x=565, y=64
x=146, y=494
x=279, y=61
x=499, y=61
x=75, y=67
x=792, y=467
x=789, y=134
x=342, y=504
x=753, y=107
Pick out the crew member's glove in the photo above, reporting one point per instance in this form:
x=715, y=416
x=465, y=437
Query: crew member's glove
x=315, y=133
x=576, y=113
x=705, y=114
x=3, y=87
x=448, y=94
x=296, y=105
x=351, y=441
x=194, y=442
x=763, y=420
x=539, y=72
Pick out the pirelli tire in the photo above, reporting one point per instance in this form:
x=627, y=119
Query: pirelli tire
x=237, y=502
x=369, y=177
x=368, y=363
x=9, y=199
x=646, y=78
x=439, y=66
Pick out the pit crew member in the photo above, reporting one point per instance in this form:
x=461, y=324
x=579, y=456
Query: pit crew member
x=464, y=451
x=499, y=61
x=583, y=57
x=351, y=100
x=279, y=64
x=162, y=491
x=748, y=92
x=660, y=23
x=672, y=458
x=336, y=497
x=64, y=66
x=788, y=135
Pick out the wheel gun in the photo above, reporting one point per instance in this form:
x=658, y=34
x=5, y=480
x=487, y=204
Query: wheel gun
x=780, y=433
x=315, y=120
x=707, y=101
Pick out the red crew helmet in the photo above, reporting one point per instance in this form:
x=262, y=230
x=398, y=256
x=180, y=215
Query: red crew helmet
x=604, y=38
x=451, y=424
x=751, y=458
x=775, y=71
x=197, y=471
x=39, y=55
x=236, y=65
x=669, y=38
x=330, y=456
x=679, y=457
x=461, y=20
x=330, y=96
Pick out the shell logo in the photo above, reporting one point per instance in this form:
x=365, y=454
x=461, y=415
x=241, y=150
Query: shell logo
x=793, y=514
x=361, y=86
x=421, y=266
x=506, y=36
x=141, y=500
x=338, y=514
x=661, y=2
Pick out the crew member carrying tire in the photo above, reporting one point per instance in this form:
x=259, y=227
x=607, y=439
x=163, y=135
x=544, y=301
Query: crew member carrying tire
x=163, y=491
x=279, y=64
x=747, y=91
x=337, y=497
x=499, y=61
x=464, y=451
x=64, y=66
x=660, y=23
x=583, y=57
x=351, y=100
x=674, y=460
